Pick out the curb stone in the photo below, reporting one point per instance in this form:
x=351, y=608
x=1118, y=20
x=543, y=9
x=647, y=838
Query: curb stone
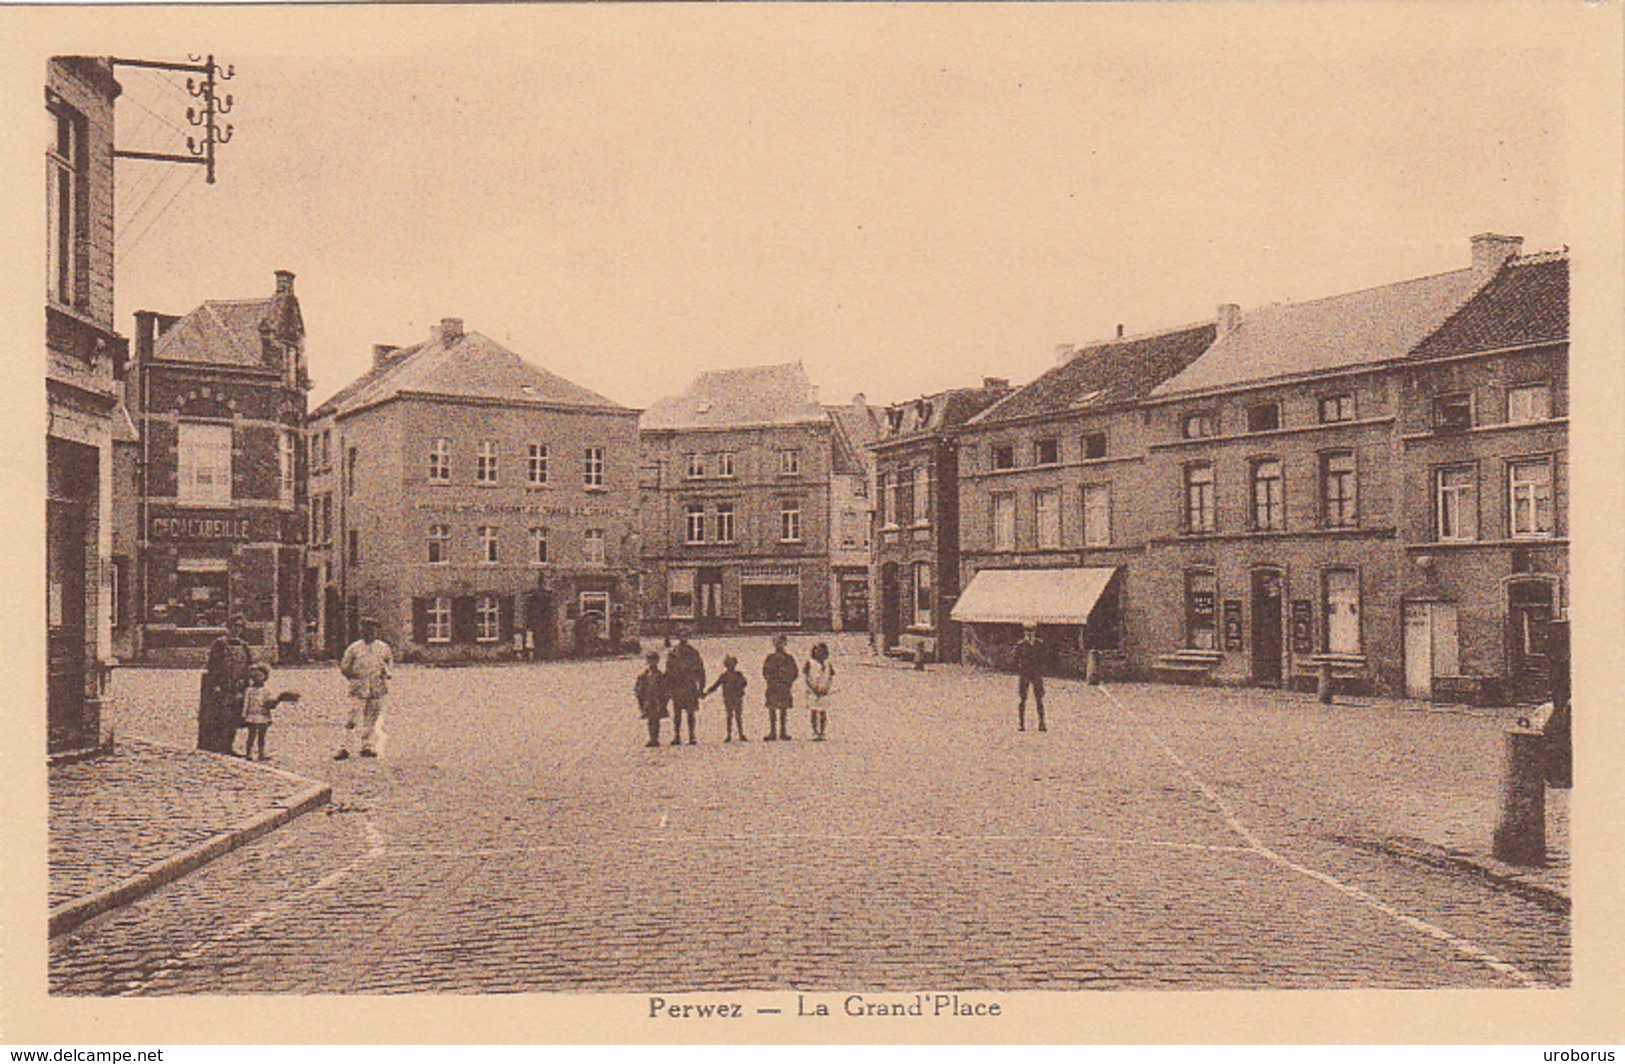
x=72, y=914
x=1505, y=876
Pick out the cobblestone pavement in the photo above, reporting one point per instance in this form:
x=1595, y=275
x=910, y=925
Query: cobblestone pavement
x=202, y=795
x=517, y=835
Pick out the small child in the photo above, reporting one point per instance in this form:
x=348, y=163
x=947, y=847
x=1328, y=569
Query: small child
x=257, y=705
x=652, y=693
x=820, y=676
x=732, y=682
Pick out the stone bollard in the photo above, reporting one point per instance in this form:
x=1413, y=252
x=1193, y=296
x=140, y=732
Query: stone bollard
x=1520, y=837
x=1324, y=691
x=1091, y=668
x=919, y=656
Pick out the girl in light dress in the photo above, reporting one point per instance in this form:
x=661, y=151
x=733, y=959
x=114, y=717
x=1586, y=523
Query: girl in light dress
x=819, y=675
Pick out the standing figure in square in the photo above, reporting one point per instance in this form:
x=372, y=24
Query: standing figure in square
x=366, y=664
x=257, y=705
x=652, y=695
x=819, y=673
x=779, y=672
x=732, y=682
x=1029, y=661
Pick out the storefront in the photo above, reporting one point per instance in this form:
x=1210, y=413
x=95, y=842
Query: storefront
x=770, y=595
x=1076, y=611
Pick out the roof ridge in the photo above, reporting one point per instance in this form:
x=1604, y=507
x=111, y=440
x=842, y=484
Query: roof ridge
x=1148, y=334
x=1359, y=291
x=1539, y=258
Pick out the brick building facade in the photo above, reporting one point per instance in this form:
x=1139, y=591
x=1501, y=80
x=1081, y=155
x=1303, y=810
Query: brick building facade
x=745, y=478
x=84, y=360
x=218, y=398
x=476, y=505
x=914, y=573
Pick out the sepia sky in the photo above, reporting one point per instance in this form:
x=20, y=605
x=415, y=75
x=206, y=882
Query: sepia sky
x=903, y=204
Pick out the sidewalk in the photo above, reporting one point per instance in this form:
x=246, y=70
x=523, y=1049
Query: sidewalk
x=124, y=824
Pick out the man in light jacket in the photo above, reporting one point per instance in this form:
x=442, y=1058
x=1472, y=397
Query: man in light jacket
x=366, y=665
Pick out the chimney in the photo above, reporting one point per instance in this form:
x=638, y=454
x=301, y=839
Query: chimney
x=1228, y=318
x=284, y=282
x=381, y=353
x=995, y=384
x=1119, y=330
x=451, y=329
x=1492, y=250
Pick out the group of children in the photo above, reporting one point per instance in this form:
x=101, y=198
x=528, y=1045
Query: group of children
x=677, y=690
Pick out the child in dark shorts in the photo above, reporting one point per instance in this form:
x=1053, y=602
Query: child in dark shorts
x=732, y=682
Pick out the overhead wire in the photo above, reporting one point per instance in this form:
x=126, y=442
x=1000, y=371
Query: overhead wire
x=161, y=212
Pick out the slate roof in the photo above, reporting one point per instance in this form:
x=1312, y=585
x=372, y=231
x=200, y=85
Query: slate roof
x=733, y=398
x=471, y=366
x=941, y=412
x=857, y=428
x=1527, y=302
x=1105, y=374
x=220, y=332
x=1370, y=326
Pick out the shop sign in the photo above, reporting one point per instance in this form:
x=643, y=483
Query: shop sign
x=1303, y=628
x=201, y=526
x=1232, y=624
x=528, y=508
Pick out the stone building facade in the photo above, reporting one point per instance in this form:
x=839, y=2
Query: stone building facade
x=85, y=358
x=478, y=506
x=218, y=397
x=914, y=576
x=745, y=477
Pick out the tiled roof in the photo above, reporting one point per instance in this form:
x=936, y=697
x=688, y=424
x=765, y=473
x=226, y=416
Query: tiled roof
x=470, y=366
x=856, y=430
x=1527, y=302
x=1358, y=328
x=1103, y=374
x=941, y=412
x=220, y=332
x=726, y=398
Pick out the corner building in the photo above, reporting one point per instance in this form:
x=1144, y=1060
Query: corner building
x=479, y=507
x=752, y=492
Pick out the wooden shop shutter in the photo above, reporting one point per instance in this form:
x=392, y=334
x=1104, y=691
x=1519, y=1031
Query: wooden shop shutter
x=505, y=618
x=420, y=621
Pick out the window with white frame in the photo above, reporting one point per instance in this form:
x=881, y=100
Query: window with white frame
x=1004, y=521
x=1097, y=515
x=487, y=619
x=439, y=544
x=205, y=464
x=1269, y=514
x=922, y=595
x=66, y=193
x=1456, y=488
x=789, y=462
x=485, y=463
x=725, y=522
x=538, y=546
x=1336, y=408
x=725, y=463
x=888, y=500
x=592, y=467
x=592, y=542
x=696, y=467
x=694, y=523
x=536, y=464
x=1529, y=497
x=1199, y=508
x=487, y=536
x=1529, y=402
x=440, y=460
x=1047, y=518
x=789, y=521
x=285, y=470
x=922, y=495
x=438, y=620
x=1339, y=492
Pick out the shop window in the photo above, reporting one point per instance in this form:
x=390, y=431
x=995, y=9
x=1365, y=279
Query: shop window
x=536, y=464
x=1269, y=514
x=1199, y=503
x=1094, y=445
x=439, y=544
x=680, y=593
x=440, y=460
x=770, y=595
x=1097, y=515
x=1046, y=452
x=1201, y=611
x=1342, y=611
x=922, y=595
x=1456, y=503
x=1004, y=522
x=1530, y=402
x=1529, y=495
x=1336, y=408
x=204, y=464
x=1263, y=417
x=1338, y=490
x=1453, y=413
x=725, y=522
x=1047, y=519
x=485, y=463
x=201, y=597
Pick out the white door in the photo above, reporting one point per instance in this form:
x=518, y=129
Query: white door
x=1342, y=611
x=1418, y=650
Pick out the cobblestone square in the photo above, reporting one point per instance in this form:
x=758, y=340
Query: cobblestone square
x=517, y=836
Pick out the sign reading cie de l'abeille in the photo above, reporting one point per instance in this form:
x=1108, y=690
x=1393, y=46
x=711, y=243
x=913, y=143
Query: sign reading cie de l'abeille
x=232, y=525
